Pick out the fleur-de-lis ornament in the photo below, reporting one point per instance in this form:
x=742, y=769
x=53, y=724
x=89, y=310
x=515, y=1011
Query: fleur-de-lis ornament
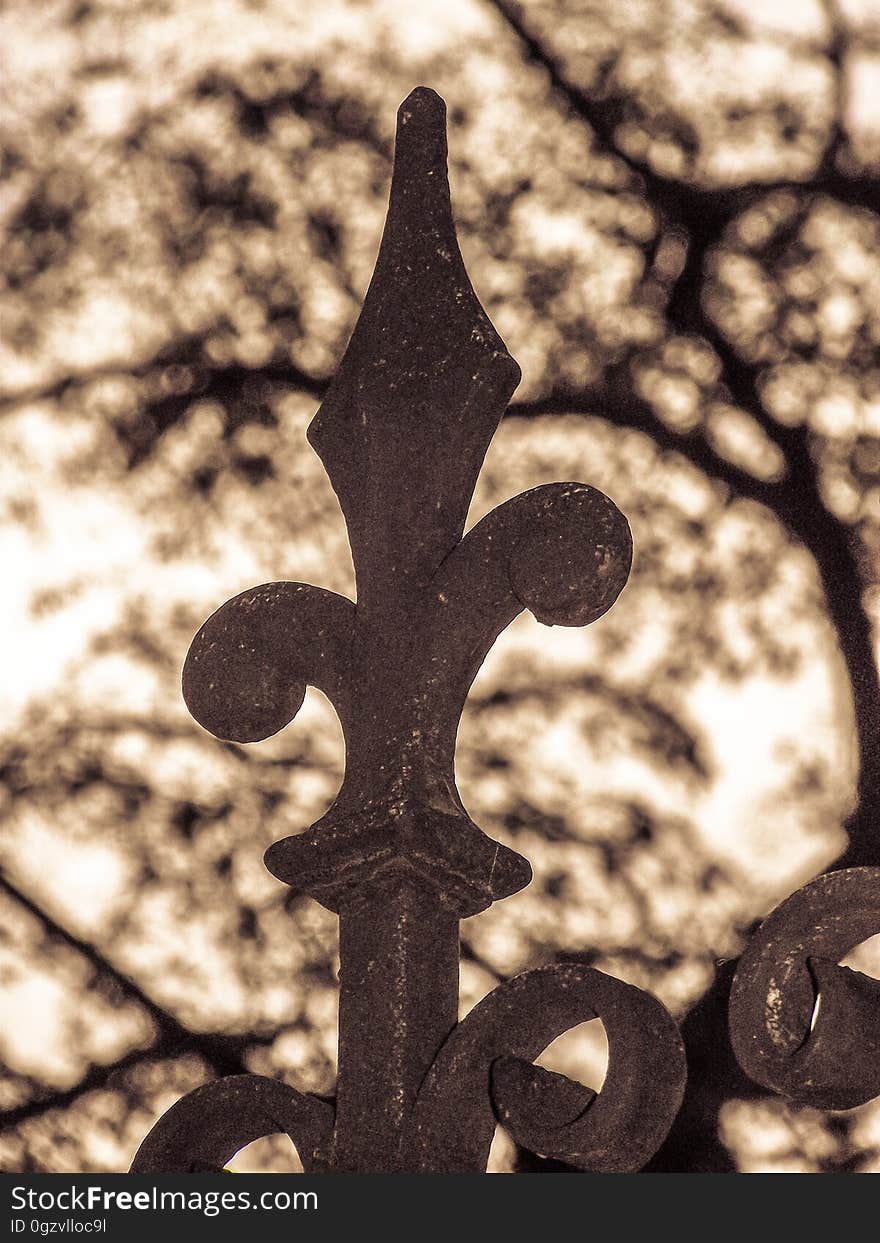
x=402, y=434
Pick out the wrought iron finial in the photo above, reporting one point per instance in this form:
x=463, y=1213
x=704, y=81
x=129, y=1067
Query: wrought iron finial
x=402, y=433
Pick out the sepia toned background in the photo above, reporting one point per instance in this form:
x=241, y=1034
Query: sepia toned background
x=671, y=211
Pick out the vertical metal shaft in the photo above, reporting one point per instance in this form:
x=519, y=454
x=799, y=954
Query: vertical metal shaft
x=398, y=1001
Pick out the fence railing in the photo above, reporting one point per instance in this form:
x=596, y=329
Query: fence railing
x=402, y=434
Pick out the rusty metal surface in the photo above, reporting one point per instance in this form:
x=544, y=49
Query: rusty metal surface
x=487, y=1061
x=402, y=434
x=208, y=1126
x=398, y=1001
x=800, y=1024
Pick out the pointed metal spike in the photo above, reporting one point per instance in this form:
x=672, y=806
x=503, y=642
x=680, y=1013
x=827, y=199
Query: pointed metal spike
x=423, y=384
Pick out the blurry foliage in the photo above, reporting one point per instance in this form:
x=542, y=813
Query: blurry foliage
x=670, y=211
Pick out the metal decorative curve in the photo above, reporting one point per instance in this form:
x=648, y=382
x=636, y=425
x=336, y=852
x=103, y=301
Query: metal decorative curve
x=244, y=679
x=402, y=434
x=484, y=1071
x=800, y=1024
x=206, y=1128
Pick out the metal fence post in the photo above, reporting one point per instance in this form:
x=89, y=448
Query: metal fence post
x=402, y=434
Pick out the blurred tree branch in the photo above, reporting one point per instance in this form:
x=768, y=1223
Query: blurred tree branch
x=224, y=382
x=703, y=215
x=223, y=1054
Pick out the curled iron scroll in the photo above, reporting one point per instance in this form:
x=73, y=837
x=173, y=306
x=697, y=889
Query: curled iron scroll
x=247, y=669
x=485, y=1070
x=206, y=1128
x=800, y=1024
